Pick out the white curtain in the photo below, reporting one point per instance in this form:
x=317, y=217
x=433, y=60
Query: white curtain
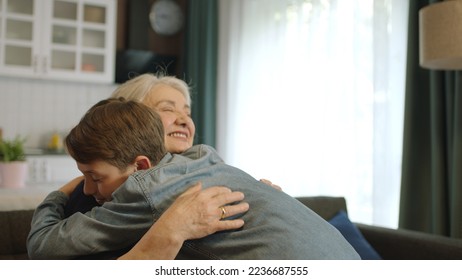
x=311, y=97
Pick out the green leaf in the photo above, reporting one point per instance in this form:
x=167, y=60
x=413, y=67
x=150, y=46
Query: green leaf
x=12, y=150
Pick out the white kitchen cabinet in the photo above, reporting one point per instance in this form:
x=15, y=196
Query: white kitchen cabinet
x=71, y=40
x=53, y=170
x=46, y=173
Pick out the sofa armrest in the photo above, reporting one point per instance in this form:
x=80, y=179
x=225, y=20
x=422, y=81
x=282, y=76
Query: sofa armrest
x=14, y=228
x=325, y=206
x=402, y=244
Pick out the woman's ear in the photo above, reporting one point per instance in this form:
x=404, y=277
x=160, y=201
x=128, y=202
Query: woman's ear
x=142, y=163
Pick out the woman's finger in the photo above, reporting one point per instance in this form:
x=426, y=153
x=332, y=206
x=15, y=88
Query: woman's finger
x=232, y=210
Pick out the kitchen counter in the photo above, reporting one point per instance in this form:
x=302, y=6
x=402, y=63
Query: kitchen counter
x=44, y=152
x=24, y=198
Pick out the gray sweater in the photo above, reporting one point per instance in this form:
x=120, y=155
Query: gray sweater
x=277, y=226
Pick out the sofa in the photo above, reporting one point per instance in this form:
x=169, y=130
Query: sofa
x=392, y=244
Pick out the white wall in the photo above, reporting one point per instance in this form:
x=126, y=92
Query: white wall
x=37, y=108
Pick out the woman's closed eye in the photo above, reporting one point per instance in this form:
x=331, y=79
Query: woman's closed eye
x=167, y=109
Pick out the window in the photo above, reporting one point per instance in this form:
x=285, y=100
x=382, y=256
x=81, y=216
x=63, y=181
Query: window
x=311, y=97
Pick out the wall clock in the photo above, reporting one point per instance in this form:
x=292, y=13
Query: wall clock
x=166, y=17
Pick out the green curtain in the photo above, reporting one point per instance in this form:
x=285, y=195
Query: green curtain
x=201, y=50
x=431, y=187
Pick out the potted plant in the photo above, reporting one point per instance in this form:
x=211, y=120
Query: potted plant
x=13, y=165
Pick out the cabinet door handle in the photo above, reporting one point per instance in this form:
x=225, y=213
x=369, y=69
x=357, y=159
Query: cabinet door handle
x=35, y=63
x=45, y=64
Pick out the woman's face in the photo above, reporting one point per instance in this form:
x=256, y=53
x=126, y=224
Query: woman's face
x=175, y=113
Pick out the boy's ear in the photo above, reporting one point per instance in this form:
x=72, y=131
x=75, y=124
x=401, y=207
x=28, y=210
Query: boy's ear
x=142, y=163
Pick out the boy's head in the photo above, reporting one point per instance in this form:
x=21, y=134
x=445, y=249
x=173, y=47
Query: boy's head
x=114, y=139
x=117, y=131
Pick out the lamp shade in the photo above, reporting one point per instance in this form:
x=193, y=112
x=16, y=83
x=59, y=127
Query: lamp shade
x=440, y=35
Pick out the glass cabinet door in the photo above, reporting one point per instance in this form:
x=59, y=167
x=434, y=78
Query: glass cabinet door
x=79, y=36
x=18, y=34
x=58, y=39
x=94, y=38
x=63, y=38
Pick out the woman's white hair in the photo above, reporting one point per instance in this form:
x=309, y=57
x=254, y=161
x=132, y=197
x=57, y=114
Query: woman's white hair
x=138, y=88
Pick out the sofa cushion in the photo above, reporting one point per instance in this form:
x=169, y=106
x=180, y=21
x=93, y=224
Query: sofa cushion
x=354, y=236
x=325, y=206
x=14, y=228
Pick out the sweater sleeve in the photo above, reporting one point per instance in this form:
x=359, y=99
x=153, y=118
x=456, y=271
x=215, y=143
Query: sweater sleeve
x=110, y=227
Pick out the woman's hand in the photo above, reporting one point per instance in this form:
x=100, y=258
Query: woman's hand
x=194, y=214
x=69, y=187
x=197, y=213
x=269, y=183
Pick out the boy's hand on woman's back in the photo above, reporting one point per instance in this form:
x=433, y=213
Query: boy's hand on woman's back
x=69, y=187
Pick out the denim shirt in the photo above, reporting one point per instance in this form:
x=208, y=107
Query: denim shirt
x=277, y=226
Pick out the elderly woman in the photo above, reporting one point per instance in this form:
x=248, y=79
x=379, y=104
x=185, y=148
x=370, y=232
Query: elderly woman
x=170, y=98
